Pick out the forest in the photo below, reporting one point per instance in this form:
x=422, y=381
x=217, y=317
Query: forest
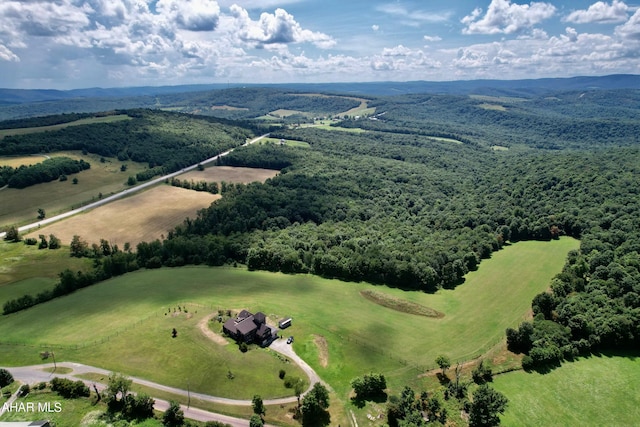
x=46, y=171
x=396, y=205
x=165, y=141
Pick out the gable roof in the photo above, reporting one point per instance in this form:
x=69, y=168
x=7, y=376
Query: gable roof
x=246, y=326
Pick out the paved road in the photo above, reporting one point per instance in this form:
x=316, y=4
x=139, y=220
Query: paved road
x=38, y=373
x=127, y=192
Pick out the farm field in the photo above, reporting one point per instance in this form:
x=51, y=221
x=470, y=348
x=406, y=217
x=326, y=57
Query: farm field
x=20, y=206
x=23, y=265
x=360, y=336
x=142, y=217
x=229, y=174
x=594, y=391
x=87, y=121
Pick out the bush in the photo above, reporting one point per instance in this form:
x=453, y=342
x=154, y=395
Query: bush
x=281, y=374
x=69, y=389
x=31, y=241
x=5, y=378
x=24, y=390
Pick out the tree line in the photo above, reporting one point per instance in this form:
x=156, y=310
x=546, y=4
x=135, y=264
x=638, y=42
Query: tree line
x=46, y=171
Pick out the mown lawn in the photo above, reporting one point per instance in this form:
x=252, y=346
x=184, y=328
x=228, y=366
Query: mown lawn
x=594, y=391
x=361, y=336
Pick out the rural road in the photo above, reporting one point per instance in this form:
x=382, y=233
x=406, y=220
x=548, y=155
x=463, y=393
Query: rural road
x=39, y=373
x=126, y=192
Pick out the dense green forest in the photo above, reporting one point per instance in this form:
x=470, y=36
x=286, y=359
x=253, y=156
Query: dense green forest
x=166, y=141
x=396, y=205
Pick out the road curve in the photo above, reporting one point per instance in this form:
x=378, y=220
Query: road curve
x=39, y=373
x=124, y=193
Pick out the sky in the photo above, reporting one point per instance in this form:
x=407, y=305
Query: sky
x=67, y=44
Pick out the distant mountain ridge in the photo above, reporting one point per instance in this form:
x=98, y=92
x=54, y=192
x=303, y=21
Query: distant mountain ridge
x=526, y=88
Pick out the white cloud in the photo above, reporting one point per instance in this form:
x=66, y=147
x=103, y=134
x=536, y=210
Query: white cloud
x=375, y=27
x=601, y=13
x=277, y=28
x=432, y=38
x=192, y=15
x=504, y=17
x=631, y=29
x=7, y=55
x=413, y=17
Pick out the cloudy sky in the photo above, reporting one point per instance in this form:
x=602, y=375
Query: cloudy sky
x=66, y=44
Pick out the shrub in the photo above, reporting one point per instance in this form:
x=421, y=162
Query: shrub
x=5, y=378
x=69, y=389
x=281, y=374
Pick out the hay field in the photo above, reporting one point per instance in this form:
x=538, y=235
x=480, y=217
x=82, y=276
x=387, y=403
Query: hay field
x=143, y=217
x=229, y=174
x=16, y=162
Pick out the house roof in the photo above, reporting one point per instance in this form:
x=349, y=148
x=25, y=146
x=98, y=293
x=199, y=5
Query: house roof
x=243, y=315
x=260, y=318
x=230, y=325
x=246, y=326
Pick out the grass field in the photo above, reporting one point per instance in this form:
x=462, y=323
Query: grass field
x=142, y=217
x=594, y=391
x=18, y=161
x=26, y=269
x=229, y=174
x=87, y=121
x=361, y=336
x=20, y=206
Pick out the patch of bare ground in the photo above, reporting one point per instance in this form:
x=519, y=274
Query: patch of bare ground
x=323, y=350
x=144, y=217
x=401, y=305
x=203, y=325
x=229, y=174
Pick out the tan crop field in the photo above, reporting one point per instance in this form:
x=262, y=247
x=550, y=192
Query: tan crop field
x=143, y=217
x=229, y=174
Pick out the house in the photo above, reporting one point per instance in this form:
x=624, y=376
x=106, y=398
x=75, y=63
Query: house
x=248, y=328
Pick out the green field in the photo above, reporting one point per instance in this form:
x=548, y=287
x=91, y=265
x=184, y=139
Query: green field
x=87, y=121
x=103, y=320
x=20, y=206
x=596, y=391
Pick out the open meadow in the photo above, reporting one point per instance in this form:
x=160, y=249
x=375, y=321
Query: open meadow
x=20, y=206
x=342, y=339
x=595, y=391
x=142, y=217
x=229, y=174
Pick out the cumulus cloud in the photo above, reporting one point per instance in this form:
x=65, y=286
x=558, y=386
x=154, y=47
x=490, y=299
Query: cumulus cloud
x=276, y=28
x=631, y=29
x=192, y=15
x=432, y=38
x=504, y=17
x=601, y=13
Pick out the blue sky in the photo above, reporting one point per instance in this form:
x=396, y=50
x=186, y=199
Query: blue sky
x=65, y=44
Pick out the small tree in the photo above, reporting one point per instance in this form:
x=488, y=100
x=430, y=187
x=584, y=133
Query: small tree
x=173, y=416
x=78, y=247
x=5, y=378
x=444, y=363
x=43, y=242
x=487, y=404
x=12, y=234
x=117, y=390
x=75, y=181
x=482, y=373
x=41, y=213
x=258, y=405
x=314, y=406
x=256, y=421
x=54, y=242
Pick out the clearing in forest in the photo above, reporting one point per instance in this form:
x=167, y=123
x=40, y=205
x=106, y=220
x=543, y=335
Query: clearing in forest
x=229, y=174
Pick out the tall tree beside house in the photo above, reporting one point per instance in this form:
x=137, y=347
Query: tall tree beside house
x=314, y=407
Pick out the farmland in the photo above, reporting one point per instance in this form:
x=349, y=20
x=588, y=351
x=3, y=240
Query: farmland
x=20, y=205
x=353, y=326
x=229, y=174
x=142, y=217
